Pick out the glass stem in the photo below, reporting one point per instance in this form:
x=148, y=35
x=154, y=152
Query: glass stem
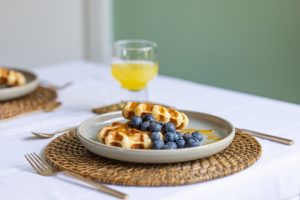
x=130, y=95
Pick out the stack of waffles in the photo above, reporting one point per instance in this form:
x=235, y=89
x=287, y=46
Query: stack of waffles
x=122, y=135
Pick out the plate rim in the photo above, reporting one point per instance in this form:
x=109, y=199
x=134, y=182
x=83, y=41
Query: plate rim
x=228, y=137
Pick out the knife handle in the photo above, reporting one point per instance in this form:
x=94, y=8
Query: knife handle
x=268, y=137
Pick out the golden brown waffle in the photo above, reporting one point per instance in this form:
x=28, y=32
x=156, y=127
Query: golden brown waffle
x=121, y=135
x=11, y=77
x=160, y=113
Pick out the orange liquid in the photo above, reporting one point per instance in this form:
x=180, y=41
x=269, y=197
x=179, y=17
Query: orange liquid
x=134, y=75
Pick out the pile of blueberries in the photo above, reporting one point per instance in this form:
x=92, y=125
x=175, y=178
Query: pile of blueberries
x=172, y=139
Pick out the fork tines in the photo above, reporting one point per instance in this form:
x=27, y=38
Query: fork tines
x=37, y=163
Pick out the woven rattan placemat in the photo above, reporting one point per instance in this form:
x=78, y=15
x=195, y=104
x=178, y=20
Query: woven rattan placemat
x=42, y=98
x=67, y=153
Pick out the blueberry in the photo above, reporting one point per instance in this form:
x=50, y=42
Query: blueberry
x=192, y=142
x=169, y=137
x=155, y=127
x=180, y=143
x=177, y=136
x=197, y=135
x=148, y=117
x=145, y=126
x=157, y=144
x=171, y=145
x=135, y=122
x=169, y=127
x=155, y=136
x=187, y=136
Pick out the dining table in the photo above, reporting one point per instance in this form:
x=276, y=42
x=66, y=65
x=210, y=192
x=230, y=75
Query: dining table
x=276, y=174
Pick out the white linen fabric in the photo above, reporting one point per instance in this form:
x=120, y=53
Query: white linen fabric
x=276, y=175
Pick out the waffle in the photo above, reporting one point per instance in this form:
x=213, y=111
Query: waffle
x=11, y=77
x=160, y=113
x=121, y=135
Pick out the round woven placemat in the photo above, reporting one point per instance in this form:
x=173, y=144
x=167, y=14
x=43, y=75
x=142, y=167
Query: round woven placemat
x=67, y=153
x=40, y=99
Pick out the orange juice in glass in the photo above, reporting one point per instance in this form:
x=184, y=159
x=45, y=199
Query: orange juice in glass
x=134, y=64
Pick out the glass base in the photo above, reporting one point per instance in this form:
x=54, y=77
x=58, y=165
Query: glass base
x=129, y=95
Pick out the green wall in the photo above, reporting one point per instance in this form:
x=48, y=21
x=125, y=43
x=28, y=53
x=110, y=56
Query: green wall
x=251, y=46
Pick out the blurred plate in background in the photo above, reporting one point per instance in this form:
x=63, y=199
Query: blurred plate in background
x=8, y=93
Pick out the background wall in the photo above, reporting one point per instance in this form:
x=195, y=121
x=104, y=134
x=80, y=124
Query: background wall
x=39, y=32
x=251, y=46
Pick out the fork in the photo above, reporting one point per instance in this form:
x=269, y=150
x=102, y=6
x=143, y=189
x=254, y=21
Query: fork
x=44, y=169
x=57, y=87
x=52, y=134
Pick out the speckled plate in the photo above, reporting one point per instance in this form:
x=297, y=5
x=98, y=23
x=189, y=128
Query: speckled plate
x=213, y=142
x=8, y=93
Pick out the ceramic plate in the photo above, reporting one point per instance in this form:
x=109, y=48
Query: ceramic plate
x=212, y=143
x=7, y=93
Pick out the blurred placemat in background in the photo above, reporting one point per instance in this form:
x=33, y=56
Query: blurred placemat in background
x=108, y=108
x=43, y=98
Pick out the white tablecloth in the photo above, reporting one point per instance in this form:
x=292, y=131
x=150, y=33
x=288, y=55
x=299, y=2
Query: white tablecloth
x=275, y=176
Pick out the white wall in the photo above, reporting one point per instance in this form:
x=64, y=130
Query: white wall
x=41, y=32
x=98, y=27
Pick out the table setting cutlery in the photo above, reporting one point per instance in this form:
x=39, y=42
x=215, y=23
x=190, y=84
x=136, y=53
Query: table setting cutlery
x=51, y=134
x=272, y=138
x=55, y=86
x=44, y=169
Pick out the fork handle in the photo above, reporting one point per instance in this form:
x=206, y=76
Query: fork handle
x=99, y=186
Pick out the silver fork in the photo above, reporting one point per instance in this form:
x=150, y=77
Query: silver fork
x=52, y=134
x=57, y=87
x=43, y=168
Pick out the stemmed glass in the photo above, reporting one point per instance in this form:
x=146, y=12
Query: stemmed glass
x=134, y=64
